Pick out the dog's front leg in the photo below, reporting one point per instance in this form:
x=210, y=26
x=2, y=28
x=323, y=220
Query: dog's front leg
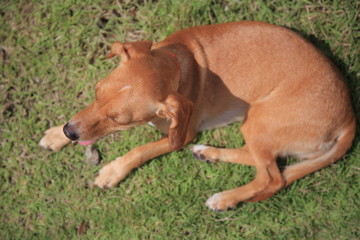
x=54, y=139
x=115, y=171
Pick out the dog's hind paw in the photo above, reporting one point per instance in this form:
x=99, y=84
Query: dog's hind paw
x=201, y=153
x=218, y=203
x=54, y=139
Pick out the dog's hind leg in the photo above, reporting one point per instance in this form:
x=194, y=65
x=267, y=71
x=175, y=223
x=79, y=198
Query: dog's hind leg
x=240, y=156
x=212, y=154
x=54, y=139
x=267, y=177
x=338, y=148
x=319, y=160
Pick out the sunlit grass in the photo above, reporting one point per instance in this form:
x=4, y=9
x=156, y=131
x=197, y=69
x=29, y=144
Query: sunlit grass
x=52, y=54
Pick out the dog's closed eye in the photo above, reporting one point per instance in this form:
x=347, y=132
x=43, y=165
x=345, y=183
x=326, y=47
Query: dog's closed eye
x=120, y=119
x=112, y=118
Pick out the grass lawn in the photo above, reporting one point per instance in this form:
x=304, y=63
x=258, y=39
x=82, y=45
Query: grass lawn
x=52, y=54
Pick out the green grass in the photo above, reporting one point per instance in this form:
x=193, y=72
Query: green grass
x=51, y=56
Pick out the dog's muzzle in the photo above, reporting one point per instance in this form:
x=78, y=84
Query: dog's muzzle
x=70, y=132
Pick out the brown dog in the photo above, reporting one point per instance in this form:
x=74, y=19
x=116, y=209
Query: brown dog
x=292, y=99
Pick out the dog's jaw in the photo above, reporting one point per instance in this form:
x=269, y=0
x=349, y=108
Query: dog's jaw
x=86, y=143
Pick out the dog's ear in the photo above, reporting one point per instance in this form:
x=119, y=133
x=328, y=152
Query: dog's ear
x=119, y=49
x=138, y=48
x=127, y=50
x=178, y=109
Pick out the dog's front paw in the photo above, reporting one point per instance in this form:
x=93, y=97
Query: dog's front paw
x=218, y=202
x=54, y=139
x=110, y=175
x=201, y=152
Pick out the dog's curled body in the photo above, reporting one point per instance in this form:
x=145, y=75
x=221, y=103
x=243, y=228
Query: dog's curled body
x=292, y=99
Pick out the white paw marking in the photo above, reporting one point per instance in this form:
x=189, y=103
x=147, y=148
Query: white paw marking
x=213, y=201
x=199, y=148
x=218, y=203
x=199, y=153
x=151, y=124
x=42, y=143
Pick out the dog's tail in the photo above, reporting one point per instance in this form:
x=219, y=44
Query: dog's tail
x=337, y=150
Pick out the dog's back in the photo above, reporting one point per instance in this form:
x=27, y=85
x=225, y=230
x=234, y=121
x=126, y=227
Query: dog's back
x=276, y=70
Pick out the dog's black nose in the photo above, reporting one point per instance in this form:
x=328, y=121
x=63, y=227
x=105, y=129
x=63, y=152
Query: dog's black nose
x=70, y=132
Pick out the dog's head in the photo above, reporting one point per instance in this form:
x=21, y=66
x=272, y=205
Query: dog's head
x=142, y=87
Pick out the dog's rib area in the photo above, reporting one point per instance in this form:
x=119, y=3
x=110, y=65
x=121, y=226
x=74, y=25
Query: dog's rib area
x=223, y=119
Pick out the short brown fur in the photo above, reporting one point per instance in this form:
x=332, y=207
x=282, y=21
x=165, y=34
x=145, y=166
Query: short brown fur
x=292, y=99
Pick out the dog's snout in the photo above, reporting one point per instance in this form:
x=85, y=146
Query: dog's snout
x=70, y=132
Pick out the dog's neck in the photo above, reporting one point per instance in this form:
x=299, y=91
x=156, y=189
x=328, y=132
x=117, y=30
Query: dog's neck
x=178, y=63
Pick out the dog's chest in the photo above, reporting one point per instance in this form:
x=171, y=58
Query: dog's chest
x=223, y=118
